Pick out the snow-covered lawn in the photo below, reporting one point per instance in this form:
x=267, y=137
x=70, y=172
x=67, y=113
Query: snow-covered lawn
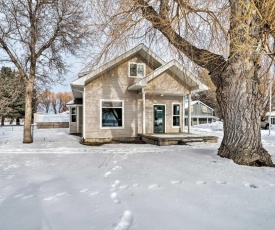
x=58, y=184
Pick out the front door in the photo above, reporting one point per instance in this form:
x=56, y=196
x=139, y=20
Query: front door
x=159, y=118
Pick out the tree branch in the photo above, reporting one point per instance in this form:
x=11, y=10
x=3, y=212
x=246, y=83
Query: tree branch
x=201, y=57
x=13, y=59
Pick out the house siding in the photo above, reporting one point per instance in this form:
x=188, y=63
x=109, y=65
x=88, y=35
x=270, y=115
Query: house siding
x=171, y=83
x=167, y=101
x=197, y=111
x=113, y=85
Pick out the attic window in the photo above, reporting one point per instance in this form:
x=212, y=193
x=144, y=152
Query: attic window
x=136, y=69
x=204, y=109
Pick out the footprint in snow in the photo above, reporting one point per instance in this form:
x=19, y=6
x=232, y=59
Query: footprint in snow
x=115, y=162
x=125, y=221
x=176, y=181
x=152, y=186
x=19, y=195
x=221, y=182
x=114, y=197
x=250, y=185
x=201, y=182
x=107, y=174
x=49, y=198
x=136, y=185
x=84, y=190
x=56, y=196
x=95, y=193
x=61, y=194
x=115, y=184
x=115, y=168
x=27, y=197
x=123, y=186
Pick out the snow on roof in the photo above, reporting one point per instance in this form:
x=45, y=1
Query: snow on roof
x=62, y=117
x=70, y=102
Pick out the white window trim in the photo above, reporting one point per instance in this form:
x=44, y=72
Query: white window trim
x=73, y=114
x=100, y=117
x=137, y=63
x=153, y=118
x=172, y=113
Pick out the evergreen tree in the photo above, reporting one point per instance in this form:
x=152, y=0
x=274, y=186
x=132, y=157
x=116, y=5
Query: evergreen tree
x=12, y=101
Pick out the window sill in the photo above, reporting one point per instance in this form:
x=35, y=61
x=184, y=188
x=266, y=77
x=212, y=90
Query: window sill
x=111, y=128
x=136, y=76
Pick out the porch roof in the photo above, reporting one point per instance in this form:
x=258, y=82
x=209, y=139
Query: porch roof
x=176, y=68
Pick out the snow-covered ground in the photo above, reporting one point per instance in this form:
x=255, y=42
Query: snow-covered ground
x=57, y=183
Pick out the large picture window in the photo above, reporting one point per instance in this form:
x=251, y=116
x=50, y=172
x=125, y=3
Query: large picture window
x=111, y=114
x=136, y=69
x=176, y=115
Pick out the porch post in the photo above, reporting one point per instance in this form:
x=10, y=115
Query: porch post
x=84, y=115
x=183, y=114
x=189, y=112
x=143, y=112
x=77, y=119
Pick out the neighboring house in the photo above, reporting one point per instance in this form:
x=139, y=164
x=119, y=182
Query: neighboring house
x=200, y=113
x=48, y=121
x=272, y=117
x=136, y=93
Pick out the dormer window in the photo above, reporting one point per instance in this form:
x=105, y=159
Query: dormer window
x=136, y=69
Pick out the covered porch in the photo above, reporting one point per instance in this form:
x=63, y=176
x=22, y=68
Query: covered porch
x=169, y=82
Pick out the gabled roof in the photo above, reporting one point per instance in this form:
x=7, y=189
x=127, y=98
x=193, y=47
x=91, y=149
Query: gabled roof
x=195, y=102
x=141, y=49
x=176, y=68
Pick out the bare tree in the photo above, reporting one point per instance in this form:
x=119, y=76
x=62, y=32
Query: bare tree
x=54, y=102
x=44, y=101
x=63, y=98
x=34, y=34
x=228, y=38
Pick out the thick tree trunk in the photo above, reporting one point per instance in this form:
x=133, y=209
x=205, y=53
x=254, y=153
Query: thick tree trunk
x=28, y=111
x=240, y=99
x=238, y=90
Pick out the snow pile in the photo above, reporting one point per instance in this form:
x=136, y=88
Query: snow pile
x=62, y=117
x=214, y=126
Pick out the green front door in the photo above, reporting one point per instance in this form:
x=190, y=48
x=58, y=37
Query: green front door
x=159, y=119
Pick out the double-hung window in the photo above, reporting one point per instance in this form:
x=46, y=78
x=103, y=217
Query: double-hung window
x=176, y=115
x=73, y=114
x=136, y=69
x=111, y=114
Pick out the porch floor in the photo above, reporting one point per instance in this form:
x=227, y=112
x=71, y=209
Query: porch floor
x=175, y=138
